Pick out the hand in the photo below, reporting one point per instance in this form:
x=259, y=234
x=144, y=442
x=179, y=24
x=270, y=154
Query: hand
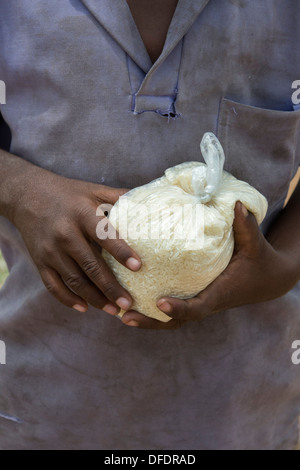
x=256, y=273
x=57, y=219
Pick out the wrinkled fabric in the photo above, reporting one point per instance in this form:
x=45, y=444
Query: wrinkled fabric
x=84, y=101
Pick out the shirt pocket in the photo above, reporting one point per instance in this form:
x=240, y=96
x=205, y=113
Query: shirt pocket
x=260, y=147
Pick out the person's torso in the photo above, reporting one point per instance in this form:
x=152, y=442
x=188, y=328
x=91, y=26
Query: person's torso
x=85, y=101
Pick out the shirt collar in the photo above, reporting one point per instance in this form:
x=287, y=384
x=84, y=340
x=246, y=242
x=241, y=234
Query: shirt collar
x=116, y=18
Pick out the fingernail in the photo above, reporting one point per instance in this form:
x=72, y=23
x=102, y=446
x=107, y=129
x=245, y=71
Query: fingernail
x=244, y=211
x=133, y=264
x=132, y=323
x=111, y=309
x=164, y=306
x=80, y=308
x=123, y=303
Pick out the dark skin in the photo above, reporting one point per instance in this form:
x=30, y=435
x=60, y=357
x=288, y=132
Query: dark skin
x=64, y=246
x=153, y=20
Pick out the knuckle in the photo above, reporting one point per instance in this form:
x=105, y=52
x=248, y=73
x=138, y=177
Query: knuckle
x=52, y=288
x=75, y=282
x=84, y=211
x=121, y=251
x=92, y=268
x=109, y=289
x=48, y=251
x=49, y=282
x=62, y=232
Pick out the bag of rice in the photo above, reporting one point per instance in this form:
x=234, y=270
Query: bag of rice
x=181, y=227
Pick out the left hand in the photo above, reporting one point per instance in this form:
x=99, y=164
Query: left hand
x=257, y=273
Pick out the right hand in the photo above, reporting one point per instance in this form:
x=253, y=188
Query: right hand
x=57, y=220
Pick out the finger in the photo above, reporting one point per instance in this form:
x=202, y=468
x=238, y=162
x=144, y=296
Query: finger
x=96, y=270
x=137, y=320
x=107, y=194
x=59, y=290
x=246, y=230
x=194, y=309
x=78, y=283
x=99, y=229
x=120, y=250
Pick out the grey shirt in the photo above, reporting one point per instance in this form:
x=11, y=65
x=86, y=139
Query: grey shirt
x=84, y=101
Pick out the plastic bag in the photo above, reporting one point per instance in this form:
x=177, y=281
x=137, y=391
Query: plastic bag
x=181, y=227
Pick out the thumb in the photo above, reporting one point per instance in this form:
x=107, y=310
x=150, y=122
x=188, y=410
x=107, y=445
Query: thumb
x=246, y=230
x=108, y=194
